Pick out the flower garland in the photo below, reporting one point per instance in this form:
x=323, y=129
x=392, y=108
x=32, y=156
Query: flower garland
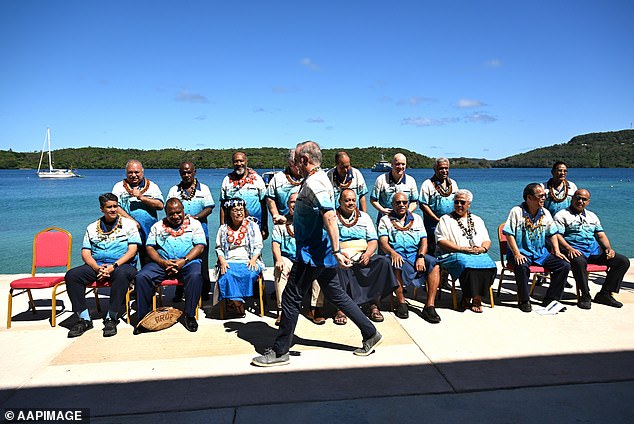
x=553, y=195
x=347, y=181
x=444, y=192
x=314, y=170
x=129, y=189
x=533, y=227
x=176, y=233
x=236, y=237
x=292, y=180
x=352, y=220
x=188, y=194
x=248, y=178
x=469, y=231
x=103, y=235
x=397, y=224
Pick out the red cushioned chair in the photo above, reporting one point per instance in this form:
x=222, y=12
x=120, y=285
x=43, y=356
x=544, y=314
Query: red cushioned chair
x=592, y=269
x=537, y=271
x=52, y=248
x=159, y=294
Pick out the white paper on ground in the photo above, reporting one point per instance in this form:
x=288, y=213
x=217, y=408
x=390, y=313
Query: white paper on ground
x=552, y=309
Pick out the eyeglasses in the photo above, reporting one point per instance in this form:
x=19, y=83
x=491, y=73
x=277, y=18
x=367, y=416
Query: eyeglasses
x=583, y=199
x=401, y=202
x=460, y=202
x=539, y=196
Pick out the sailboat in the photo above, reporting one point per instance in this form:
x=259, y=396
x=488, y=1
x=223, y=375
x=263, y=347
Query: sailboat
x=52, y=172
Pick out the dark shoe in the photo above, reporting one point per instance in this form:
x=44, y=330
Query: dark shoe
x=110, y=327
x=79, y=328
x=191, y=324
x=429, y=314
x=139, y=329
x=315, y=318
x=605, y=299
x=401, y=311
x=584, y=303
x=526, y=307
x=270, y=359
x=369, y=345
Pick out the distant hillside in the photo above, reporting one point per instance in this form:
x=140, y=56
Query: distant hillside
x=613, y=149
x=265, y=157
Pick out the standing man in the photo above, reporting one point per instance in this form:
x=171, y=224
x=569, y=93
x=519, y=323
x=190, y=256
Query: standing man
x=403, y=238
x=436, y=199
x=140, y=200
x=198, y=204
x=528, y=228
x=245, y=183
x=319, y=254
x=558, y=189
x=282, y=185
x=390, y=183
x=343, y=176
x=583, y=240
x=174, y=246
x=109, y=254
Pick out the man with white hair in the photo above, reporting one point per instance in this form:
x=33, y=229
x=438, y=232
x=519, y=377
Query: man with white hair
x=390, y=183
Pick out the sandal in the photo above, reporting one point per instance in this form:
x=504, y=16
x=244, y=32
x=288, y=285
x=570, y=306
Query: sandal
x=375, y=314
x=477, y=305
x=340, y=318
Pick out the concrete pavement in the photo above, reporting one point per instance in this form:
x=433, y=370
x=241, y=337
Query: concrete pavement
x=499, y=366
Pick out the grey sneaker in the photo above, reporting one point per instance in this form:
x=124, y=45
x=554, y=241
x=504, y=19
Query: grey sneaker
x=270, y=359
x=369, y=345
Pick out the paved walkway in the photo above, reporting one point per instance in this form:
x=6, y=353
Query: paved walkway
x=499, y=366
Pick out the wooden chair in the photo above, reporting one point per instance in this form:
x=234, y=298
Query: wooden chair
x=159, y=294
x=94, y=287
x=52, y=248
x=260, y=299
x=536, y=270
x=454, y=295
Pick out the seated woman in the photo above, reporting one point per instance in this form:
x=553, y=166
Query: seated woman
x=370, y=278
x=238, y=246
x=462, y=246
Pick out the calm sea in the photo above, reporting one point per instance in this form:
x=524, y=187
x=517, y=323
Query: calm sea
x=72, y=204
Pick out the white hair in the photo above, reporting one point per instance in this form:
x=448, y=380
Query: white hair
x=465, y=193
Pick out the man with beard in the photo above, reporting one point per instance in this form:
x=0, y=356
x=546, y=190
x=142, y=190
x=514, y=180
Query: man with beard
x=198, y=204
x=583, y=240
x=140, y=200
x=174, y=246
x=244, y=183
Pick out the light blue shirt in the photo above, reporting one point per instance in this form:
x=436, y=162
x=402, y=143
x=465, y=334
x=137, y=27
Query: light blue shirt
x=202, y=199
x=170, y=247
x=107, y=248
x=531, y=242
x=580, y=230
x=250, y=188
x=405, y=243
x=145, y=215
x=280, y=189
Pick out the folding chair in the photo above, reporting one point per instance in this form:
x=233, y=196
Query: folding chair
x=52, y=247
x=534, y=269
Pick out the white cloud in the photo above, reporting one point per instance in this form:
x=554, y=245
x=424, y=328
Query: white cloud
x=315, y=120
x=480, y=117
x=468, y=103
x=493, y=63
x=308, y=63
x=428, y=122
x=185, y=96
x=414, y=101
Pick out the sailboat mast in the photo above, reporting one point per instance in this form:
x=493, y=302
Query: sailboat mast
x=39, y=165
x=48, y=138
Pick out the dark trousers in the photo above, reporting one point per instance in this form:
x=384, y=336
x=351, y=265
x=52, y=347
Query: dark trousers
x=558, y=271
x=152, y=274
x=78, y=278
x=618, y=266
x=300, y=281
x=204, y=257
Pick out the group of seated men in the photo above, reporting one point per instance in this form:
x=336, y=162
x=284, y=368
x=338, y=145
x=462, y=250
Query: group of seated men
x=552, y=228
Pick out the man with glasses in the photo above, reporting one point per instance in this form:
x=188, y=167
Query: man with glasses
x=403, y=238
x=198, y=204
x=583, y=240
x=528, y=229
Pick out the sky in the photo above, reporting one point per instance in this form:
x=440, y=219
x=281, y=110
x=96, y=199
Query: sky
x=484, y=79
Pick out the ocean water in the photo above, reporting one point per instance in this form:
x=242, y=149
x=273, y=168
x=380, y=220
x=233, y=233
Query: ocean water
x=34, y=204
